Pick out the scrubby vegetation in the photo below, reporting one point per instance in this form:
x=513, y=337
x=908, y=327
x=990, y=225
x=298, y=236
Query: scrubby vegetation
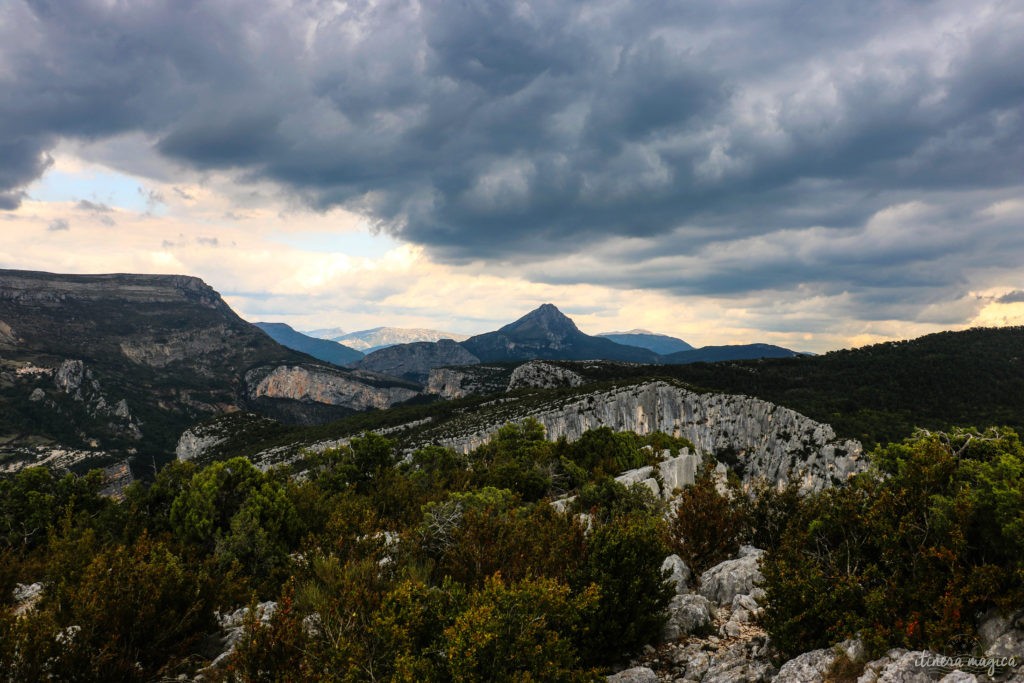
x=909, y=555
x=883, y=392
x=439, y=567
x=442, y=566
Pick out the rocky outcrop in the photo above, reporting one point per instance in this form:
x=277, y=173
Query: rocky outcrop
x=638, y=674
x=73, y=378
x=165, y=349
x=731, y=578
x=26, y=597
x=68, y=377
x=816, y=666
x=415, y=361
x=542, y=375
x=8, y=337
x=678, y=573
x=232, y=626
x=1003, y=635
x=323, y=385
x=755, y=438
x=810, y=667
x=28, y=287
x=198, y=441
x=458, y=382
x=669, y=474
x=160, y=353
x=688, y=615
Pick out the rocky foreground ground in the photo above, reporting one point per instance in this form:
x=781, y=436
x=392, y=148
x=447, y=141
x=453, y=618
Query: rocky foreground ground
x=713, y=636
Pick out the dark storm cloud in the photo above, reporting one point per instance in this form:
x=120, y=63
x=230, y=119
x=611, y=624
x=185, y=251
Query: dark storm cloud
x=744, y=147
x=1014, y=297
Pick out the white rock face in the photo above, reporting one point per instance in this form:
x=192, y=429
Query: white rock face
x=542, y=375
x=810, y=667
x=758, y=439
x=638, y=674
x=678, y=472
x=679, y=573
x=642, y=475
x=458, y=382
x=26, y=597
x=725, y=581
x=897, y=666
x=69, y=376
x=688, y=615
x=232, y=625
x=195, y=441
x=304, y=384
x=1003, y=635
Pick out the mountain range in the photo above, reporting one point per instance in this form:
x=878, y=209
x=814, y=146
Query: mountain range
x=322, y=349
x=368, y=341
x=659, y=343
x=119, y=365
x=122, y=364
x=548, y=334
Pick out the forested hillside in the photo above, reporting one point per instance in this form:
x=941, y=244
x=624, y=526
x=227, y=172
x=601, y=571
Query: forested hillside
x=882, y=392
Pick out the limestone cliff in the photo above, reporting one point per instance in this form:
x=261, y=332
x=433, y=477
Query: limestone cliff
x=415, y=361
x=541, y=375
x=324, y=385
x=462, y=381
x=161, y=352
x=755, y=438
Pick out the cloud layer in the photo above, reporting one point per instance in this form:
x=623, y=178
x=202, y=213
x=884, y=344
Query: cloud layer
x=866, y=156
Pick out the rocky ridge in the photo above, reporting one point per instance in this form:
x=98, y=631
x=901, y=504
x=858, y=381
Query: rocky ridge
x=414, y=361
x=326, y=386
x=540, y=375
x=377, y=338
x=755, y=438
x=462, y=381
x=113, y=364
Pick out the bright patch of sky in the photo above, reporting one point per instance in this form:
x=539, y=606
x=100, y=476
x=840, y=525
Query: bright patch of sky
x=361, y=243
x=116, y=190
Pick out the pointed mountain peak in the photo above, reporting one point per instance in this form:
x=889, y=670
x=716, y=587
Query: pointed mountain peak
x=545, y=318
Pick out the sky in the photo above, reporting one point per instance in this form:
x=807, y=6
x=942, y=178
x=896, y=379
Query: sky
x=817, y=174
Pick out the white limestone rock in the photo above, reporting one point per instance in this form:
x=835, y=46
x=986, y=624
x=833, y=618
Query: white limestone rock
x=543, y=375
x=810, y=667
x=688, y=614
x=323, y=385
x=638, y=674
x=897, y=666
x=26, y=597
x=726, y=580
x=641, y=475
x=679, y=573
x=759, y=439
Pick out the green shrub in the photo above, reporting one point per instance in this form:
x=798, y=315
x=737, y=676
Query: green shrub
x=907, y=555
x=523, y=631
x=623, y=559
x=707, y=526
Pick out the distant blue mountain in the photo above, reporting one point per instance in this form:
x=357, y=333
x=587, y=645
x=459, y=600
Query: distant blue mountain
x=321, y=349
x=661, y=344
